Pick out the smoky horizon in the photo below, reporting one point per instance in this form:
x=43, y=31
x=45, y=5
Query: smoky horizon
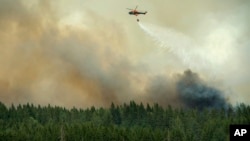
x=91, y=53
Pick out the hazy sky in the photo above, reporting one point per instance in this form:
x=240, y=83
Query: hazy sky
x=91, y=52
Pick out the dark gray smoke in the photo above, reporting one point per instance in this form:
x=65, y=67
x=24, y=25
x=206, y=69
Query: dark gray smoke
x=196, y=94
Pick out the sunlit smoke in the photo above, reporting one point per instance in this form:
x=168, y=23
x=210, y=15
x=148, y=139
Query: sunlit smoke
x=82, y=53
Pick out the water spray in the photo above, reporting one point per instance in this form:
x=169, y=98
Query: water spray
x=190, y=53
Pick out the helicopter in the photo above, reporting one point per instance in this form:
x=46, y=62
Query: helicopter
x=135, y=12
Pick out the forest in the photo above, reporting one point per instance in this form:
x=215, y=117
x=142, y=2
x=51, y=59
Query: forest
x=127, y=122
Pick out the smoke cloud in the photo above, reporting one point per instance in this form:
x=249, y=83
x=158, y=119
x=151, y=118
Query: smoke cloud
x=187, y=90
x=45, y=62
x=196, y=94
x=84, y=53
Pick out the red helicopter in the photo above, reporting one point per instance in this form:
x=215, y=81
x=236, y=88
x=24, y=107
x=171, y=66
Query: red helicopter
x=135, y=12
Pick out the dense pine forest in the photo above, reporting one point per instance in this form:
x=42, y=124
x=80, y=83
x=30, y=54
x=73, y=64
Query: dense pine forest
x=127, y=122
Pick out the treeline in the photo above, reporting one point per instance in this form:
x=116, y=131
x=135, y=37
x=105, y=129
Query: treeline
x=127, y=122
